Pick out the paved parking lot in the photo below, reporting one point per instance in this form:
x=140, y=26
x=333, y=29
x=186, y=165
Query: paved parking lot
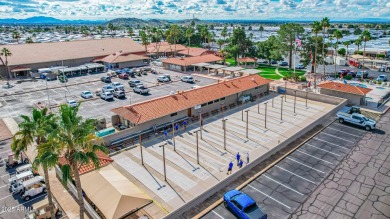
x=284, y=187
x=21, y=98
x=12, y=206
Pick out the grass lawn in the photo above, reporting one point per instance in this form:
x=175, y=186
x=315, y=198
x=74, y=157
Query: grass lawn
x=231, y=61
x=268, y=71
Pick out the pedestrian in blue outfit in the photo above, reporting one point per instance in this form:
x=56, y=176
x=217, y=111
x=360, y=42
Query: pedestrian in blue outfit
x=165, y=134
x=240, y=163
x=230, y=168
x=238, y=156
x=176, y=127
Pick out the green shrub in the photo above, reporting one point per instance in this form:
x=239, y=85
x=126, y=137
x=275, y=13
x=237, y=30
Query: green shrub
x=348, y=77
x=381, y=55
x=379, y=82
x=284, y=78
x=375, y=82
x=302, y=78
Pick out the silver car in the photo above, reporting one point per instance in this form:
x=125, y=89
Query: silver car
x=86, y=94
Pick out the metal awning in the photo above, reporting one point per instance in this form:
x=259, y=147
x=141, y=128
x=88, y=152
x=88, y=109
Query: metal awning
x=203, y=64
x=250, y=71
x=216, y=66
x=233, y=69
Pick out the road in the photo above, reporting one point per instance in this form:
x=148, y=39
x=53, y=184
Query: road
x=286, y=185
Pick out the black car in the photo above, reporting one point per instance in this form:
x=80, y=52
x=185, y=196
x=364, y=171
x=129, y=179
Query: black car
x=106, y=79
x=273, y=62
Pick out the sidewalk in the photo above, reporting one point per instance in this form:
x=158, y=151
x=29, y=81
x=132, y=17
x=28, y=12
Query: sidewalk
x=64, y=199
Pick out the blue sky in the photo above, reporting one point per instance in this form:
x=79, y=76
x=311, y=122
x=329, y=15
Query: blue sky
x=204, y=9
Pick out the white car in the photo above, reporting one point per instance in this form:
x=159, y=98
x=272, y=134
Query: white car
x=188, y=79
x=117, y=85
x=382, y=78
x=356, y=119
x=162, y=79
x=108, y=88
x=300, y=66
x=72, y=103
x=106, y=95
x=86, y=94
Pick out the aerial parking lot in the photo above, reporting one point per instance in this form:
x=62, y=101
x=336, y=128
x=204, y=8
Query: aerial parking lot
x=285, y=186
x=22, y=97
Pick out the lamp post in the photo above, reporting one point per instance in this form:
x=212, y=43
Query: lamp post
x=307, y=90
x=200, y=124
x=173, y=135
x=165, y=171
x=247, y=122
x=142, y=155
x=223, y=116
x=242, y=110
x=285, y=91
x=281, y=109
x=224, y=133
x=273, y=102
x=197, y=146
x=265, y=115
x=258, y=108
x=295, y=99
x=48, y=97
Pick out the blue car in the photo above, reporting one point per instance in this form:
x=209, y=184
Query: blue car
x=242, y=205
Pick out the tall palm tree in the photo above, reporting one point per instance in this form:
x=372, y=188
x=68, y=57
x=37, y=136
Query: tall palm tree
x=204, y=33
x=174, y=32
x=261, y=29
x=325, y=23
x=315, y=28
x=144, y=39
x=29, y=40
x=189, y=33
x=358, y=43
x=220, y=43
x=16, y=35
x=38, y=129
x=210, y=38
x=337, y=35
x=130, y=31
x=346, y=44
x=366, y=36
x=4, y=54
x=224, y=33
x=76, y=137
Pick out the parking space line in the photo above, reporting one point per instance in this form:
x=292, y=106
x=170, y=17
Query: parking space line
x=314, y=157
x=349, y=127
x=44, y=194
x=5, y=151
x=334, y=136
x=295, y=174
x=3, y=186
x=323, y=150
x=217, y=214
x=344, y=132
x=283, y=185
x=5, y=197
x=269, y=197
x=330, y=143
x=305, y=165
x=5, y=175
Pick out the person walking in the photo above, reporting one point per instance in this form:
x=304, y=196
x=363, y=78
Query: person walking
x=240, y=163
x=230, y=168
x=165, y=134
x=185, y=125
x=238, y=156
x=176, y=127
x=155, y=129
x=247, y=157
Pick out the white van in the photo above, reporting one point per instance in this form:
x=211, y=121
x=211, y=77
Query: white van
x=21, y=177
x=19, y=186
x=24, y=168
x=32, y=187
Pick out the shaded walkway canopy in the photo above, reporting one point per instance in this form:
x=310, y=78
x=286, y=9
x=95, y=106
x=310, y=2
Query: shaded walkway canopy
x=112, y=193
x=250, y=71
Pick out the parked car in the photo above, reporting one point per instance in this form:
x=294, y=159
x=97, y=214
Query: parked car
x=352, y=73
x=98, y=91
x=381, y=78
x=41, y=210
x=123, y=76
x=108, y=88
x=350, y=110
x=117, y=85
x=283, y=63
x=242, y=205
x=134, y=83
x=360, y=73
x=86, y=94
x=72, y=103
x=356, y=119
x=273, y=62
x=105, y=95
x=119, y=94
x=32, y=189
x=300, y=66
x=19, y=186
x=343, y=72
x=188, y=79
x=106, y=79
x=141, y=89
x=20, y=177
x=13, y=161
x=163, y=78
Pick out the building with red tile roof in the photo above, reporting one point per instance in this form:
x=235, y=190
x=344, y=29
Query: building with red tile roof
x=192, y=51
x=183, y=63
x=354, y=94
x=164, y=49
x=104, y=160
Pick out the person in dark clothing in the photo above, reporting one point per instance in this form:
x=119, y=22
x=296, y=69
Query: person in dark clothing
x=240, y=163
x=185, y=125
x=230, y=168
x=176, y=127
x=165, y=134
x=238, y=156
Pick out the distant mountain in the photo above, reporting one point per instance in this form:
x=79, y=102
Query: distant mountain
x=134, y=22
x=44, y=20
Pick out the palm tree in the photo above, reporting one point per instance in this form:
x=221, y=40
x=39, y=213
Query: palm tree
x=224, y=33
x=144, y=39
x=346, y=44
x=325, y=23
x=358, y=43
x=261, y=29
x=189, y=33
x=111, y=28
x=204, y=33
x=316, y=28
x=130, y=31
x=220, y=43
x=174, y=32
x=39, y=129
x=77, y=139
x=338, y=35
x=366, y=35
x=210, y=38
x=4, y=54
x=16, y=35
x=29, y=40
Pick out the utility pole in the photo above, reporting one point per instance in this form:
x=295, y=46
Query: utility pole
x=165, y=170
x=281, y=109
x=142, y=155
x=197, y=145
x=247, y=122
x=223, y=116
x=224, y=133
x=265, y=115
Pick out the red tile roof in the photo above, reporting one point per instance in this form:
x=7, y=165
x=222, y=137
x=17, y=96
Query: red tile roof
x=104, y=160
x=247, y=59
x=344, y=88
x=192, y=60
x=164, y=47
x=119, y=57
x=195, y=52
x=152, y=109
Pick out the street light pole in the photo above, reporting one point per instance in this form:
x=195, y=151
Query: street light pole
x=307, y=90
x=224, y=133
x=273, y=102
x=265, y=115
x=247, y=122
x=200, y=124
x=285, y=91
x=142, y=155
x=197, y=146
x=223, y=116
x=295, y=99
x=281, y=109
x=242, y=110
x=258, y=108
x=173, y=136
x=48, y=97
x=165, y=171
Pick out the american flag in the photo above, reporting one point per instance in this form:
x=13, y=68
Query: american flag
x=298, y=41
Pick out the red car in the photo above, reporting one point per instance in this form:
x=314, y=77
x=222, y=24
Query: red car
x=123, y=76
x=343, y=72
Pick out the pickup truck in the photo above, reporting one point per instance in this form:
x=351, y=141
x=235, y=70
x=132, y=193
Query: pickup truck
x=141, y=89
x=356, y=119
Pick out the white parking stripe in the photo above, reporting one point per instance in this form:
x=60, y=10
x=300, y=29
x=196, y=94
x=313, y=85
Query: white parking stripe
x=295, y=174
x=269, y=197
x=314, y=157
x=349, y=127
x=305, y=165
x=217, y=214
x=331, y=143
x=344, y=132
x=282, y=184
x=323, y=149
x=5, y=197
x=334, y=136
x=5, y=151
x=5, y=175
x=3, y=186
